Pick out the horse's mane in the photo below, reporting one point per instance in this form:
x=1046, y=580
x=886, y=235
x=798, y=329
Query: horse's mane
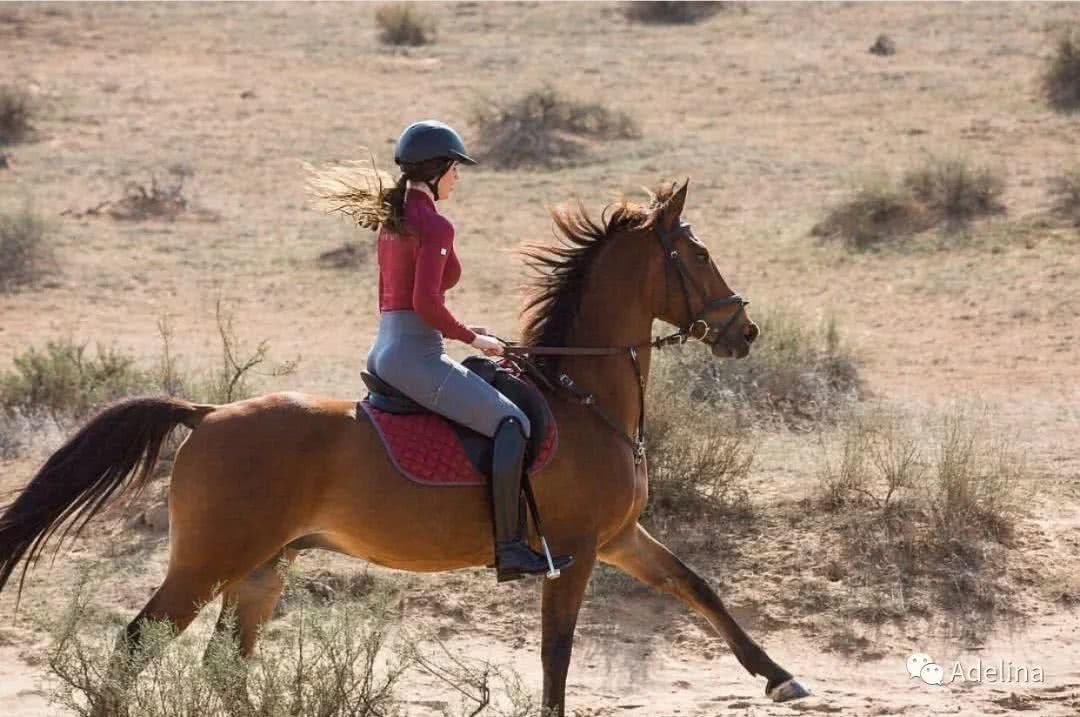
x=554, y=293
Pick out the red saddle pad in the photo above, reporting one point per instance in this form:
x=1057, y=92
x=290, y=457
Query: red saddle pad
x=425, y=448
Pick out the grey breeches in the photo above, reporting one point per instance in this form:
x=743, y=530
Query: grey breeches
x=410, y=355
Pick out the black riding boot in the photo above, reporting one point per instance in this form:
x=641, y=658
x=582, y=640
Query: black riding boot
x=513, y=556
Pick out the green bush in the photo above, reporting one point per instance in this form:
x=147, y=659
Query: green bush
x=1061, y=79
x=64, y=381
x=404, y=24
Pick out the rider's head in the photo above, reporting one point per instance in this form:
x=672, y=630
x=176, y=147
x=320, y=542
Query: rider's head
x=429, y=151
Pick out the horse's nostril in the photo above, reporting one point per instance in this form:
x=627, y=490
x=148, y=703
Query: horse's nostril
x=751, y=333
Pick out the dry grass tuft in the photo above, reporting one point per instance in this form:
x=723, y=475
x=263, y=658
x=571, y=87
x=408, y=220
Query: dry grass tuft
x=404, y=23
x=796, y=376
x=16, y=112
x=25, y=254
x=954, y=191
x=546, y=128
x=943, y=192
x=1061, y=79
x=661, y=12
x=1065, y=191
x=921, y=511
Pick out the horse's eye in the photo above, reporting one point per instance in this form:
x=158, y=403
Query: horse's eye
x=703, y=258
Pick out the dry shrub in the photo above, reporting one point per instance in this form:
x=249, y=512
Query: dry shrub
x=947, y=192
x=13, y=436
x=64, y=382
x=16, y=112
x=1065, y=191
x=796, y=375
x=921, y=512
x=1061, y=79
x=25, y=254
x=954, y=191
x=682, y=12
x=350, y=255
x=877, y=212
x=342, y=659
x=404, y=23
x=883, y=46
x=546, y=128
x=156, y=201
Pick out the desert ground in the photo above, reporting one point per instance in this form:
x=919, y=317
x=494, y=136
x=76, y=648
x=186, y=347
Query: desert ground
x=772, y=110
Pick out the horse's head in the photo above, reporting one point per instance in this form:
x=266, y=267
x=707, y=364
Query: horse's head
x=692, y=294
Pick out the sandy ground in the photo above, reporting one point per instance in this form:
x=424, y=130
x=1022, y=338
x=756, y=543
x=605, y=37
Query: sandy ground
x=772, y=111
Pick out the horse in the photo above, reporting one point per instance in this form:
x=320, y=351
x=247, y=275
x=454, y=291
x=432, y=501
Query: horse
x=259, y=480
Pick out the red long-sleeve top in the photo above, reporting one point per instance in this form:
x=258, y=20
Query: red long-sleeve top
x=417, y=266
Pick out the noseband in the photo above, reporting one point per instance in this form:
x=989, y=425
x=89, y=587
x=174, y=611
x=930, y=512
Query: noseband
x=710, y=334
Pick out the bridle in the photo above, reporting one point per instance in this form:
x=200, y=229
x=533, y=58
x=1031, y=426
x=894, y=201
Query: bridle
x=710, y=334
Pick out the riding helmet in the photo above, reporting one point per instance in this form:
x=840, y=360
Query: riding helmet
x=430, y=139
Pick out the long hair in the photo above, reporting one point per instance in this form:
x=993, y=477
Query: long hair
x=361, y=191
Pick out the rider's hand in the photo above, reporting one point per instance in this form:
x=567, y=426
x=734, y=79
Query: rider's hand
x=490, y=346
x=479, y=330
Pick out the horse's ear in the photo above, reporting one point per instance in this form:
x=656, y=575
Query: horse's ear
x=672, y=209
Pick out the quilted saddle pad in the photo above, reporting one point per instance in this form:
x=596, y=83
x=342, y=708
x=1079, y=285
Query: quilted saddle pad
x=426, y=449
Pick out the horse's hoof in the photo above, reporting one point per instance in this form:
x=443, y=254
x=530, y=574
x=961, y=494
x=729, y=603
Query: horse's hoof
x=787, y=690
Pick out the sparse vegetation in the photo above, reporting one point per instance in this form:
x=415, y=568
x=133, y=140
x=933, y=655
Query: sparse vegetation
x=1065, y=190
x=16, y=113
x=698, y=461
x=64, y=382
x=921, y=511
x=954, y=191
x=945, y=192
x=25, y=254
x=671, y=12
x=404, y=23
x=343, y=659
x=795, y=376
x=546, y=128
x=1061, y=79
x=883, y=46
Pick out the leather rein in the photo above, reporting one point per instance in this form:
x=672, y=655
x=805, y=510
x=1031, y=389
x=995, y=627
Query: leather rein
x=709, y=334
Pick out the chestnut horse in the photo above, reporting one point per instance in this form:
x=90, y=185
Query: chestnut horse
x=259, y=480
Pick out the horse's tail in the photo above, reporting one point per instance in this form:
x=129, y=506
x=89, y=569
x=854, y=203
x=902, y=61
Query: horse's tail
x=78, y=479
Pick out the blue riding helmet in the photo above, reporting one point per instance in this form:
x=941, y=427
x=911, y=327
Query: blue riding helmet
x=430, y=139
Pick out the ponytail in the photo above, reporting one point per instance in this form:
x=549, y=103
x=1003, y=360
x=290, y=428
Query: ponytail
x=364, y=193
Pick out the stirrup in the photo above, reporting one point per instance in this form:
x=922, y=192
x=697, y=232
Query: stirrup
x=514, y=559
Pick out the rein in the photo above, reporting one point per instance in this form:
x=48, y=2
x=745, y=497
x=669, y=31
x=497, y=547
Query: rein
x=516, y=354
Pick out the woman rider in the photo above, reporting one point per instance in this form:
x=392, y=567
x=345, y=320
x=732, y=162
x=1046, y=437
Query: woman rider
x=417, y=265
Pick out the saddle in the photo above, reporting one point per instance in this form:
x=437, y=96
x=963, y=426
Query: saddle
x=431, y=449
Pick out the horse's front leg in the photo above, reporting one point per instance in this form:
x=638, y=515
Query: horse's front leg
x=639, y=554
x=562, y=600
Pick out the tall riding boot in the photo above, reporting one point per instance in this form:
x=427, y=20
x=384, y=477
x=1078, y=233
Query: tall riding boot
x=513, y=556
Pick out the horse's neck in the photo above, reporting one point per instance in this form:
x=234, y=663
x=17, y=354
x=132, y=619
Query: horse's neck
x=609, y=317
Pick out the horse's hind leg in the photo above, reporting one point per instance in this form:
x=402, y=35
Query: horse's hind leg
x=639, y=554
x=252, y=599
